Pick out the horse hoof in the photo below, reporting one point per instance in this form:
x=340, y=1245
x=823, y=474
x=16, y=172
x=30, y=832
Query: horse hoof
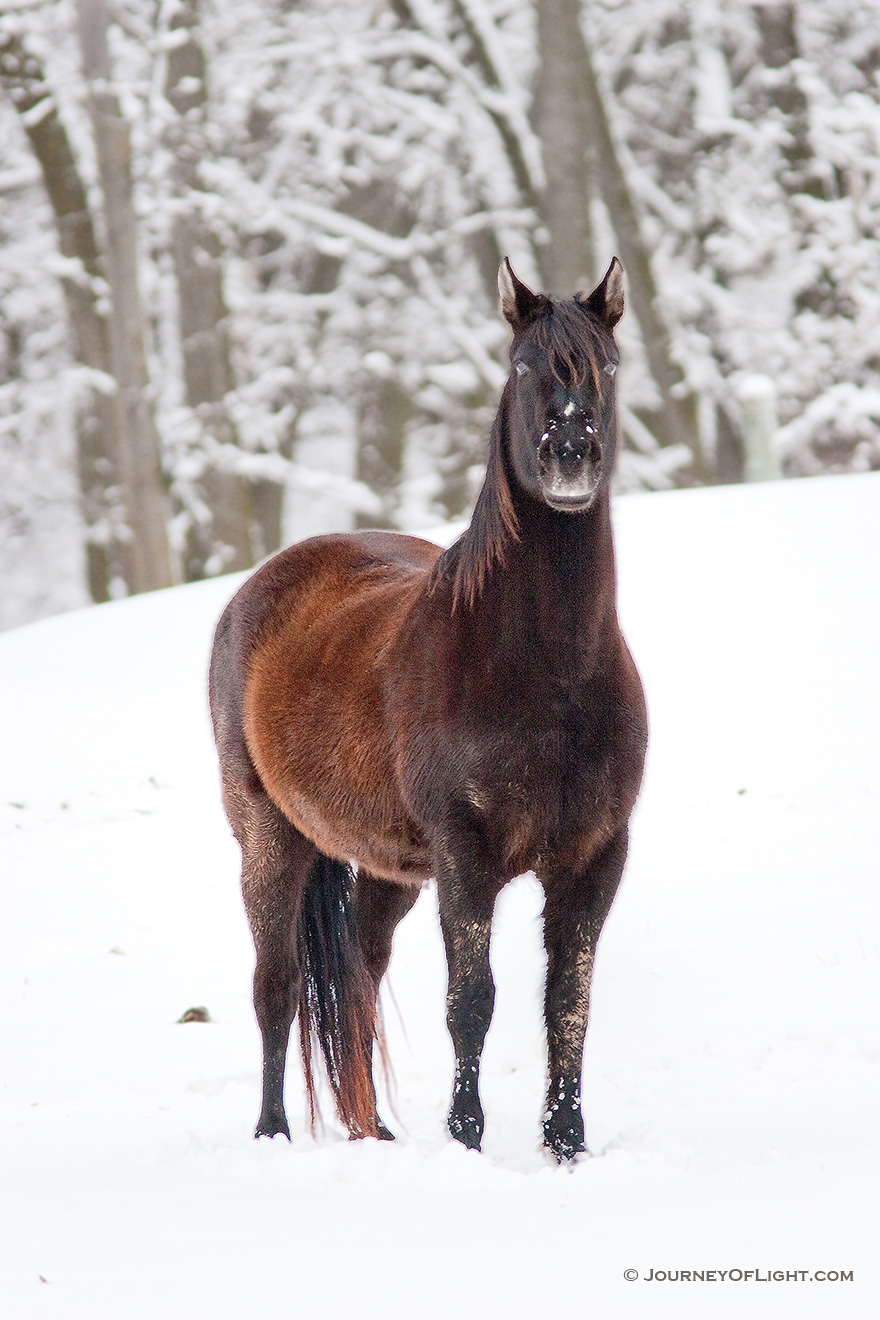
x=565, y=1147
x=383, y=1133
x=563, y=1121
x=569, y=1155
x=564, y=1141
x=466, y=1131
x=273, y=1126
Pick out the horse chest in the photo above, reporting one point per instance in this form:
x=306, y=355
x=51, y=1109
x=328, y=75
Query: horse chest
x=546, y=792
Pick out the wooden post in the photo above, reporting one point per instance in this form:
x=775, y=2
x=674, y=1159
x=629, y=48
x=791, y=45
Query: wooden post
x=757, y=401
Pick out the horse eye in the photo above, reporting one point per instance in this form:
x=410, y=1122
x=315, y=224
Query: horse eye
x=610, y=368
x=521, y=368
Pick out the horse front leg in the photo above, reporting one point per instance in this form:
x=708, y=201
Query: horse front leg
x=467, y=898
x=574, y=913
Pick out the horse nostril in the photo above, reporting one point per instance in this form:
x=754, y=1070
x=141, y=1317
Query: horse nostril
x=569, y=451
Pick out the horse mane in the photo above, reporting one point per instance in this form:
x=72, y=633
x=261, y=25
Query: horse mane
x=567, y=336
x=494, y=524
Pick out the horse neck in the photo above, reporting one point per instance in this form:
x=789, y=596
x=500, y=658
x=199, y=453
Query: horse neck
x=551, y=590
x=563, y=565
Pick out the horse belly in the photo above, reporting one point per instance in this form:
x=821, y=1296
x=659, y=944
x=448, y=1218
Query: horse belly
x=386, y=845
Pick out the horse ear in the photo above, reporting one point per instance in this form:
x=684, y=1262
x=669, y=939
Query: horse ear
x=606, y=301
x=518, y=303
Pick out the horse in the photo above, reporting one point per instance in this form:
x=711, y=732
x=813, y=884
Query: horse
x=386, y=712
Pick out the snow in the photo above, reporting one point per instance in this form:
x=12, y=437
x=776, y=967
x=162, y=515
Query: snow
x=731, y=1078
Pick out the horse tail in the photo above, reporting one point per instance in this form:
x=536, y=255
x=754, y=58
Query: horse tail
x=337, y=996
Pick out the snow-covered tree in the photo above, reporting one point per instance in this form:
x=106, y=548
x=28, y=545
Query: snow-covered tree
x=319, y=198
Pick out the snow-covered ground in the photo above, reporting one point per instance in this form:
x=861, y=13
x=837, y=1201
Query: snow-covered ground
x=732, y=1075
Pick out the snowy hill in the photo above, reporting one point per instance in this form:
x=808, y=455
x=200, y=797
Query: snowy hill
x=733, y=1064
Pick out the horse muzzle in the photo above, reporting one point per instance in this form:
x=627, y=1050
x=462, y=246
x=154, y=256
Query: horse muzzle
x=569, y=467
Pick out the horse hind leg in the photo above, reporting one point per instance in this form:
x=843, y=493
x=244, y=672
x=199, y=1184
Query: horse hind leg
x=380, y=906
x=316, y=954
x=310, y=960
x=276, y=863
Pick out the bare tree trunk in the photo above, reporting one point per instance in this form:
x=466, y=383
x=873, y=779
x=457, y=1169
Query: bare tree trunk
x=223, y=543
x=499, y=105
x=677, y=422
x=97, y=421
x=481, y=56
x=711, y=107
x=563, y=125
x=383, y=412
x=144, y=494
x=780, y=49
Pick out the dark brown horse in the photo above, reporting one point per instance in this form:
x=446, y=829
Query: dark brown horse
x=469, y=715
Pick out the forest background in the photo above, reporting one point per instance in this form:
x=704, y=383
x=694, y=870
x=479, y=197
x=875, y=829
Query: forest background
x=248, y=256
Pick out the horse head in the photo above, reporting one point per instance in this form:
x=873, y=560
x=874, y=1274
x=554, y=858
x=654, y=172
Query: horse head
x=562, y=426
